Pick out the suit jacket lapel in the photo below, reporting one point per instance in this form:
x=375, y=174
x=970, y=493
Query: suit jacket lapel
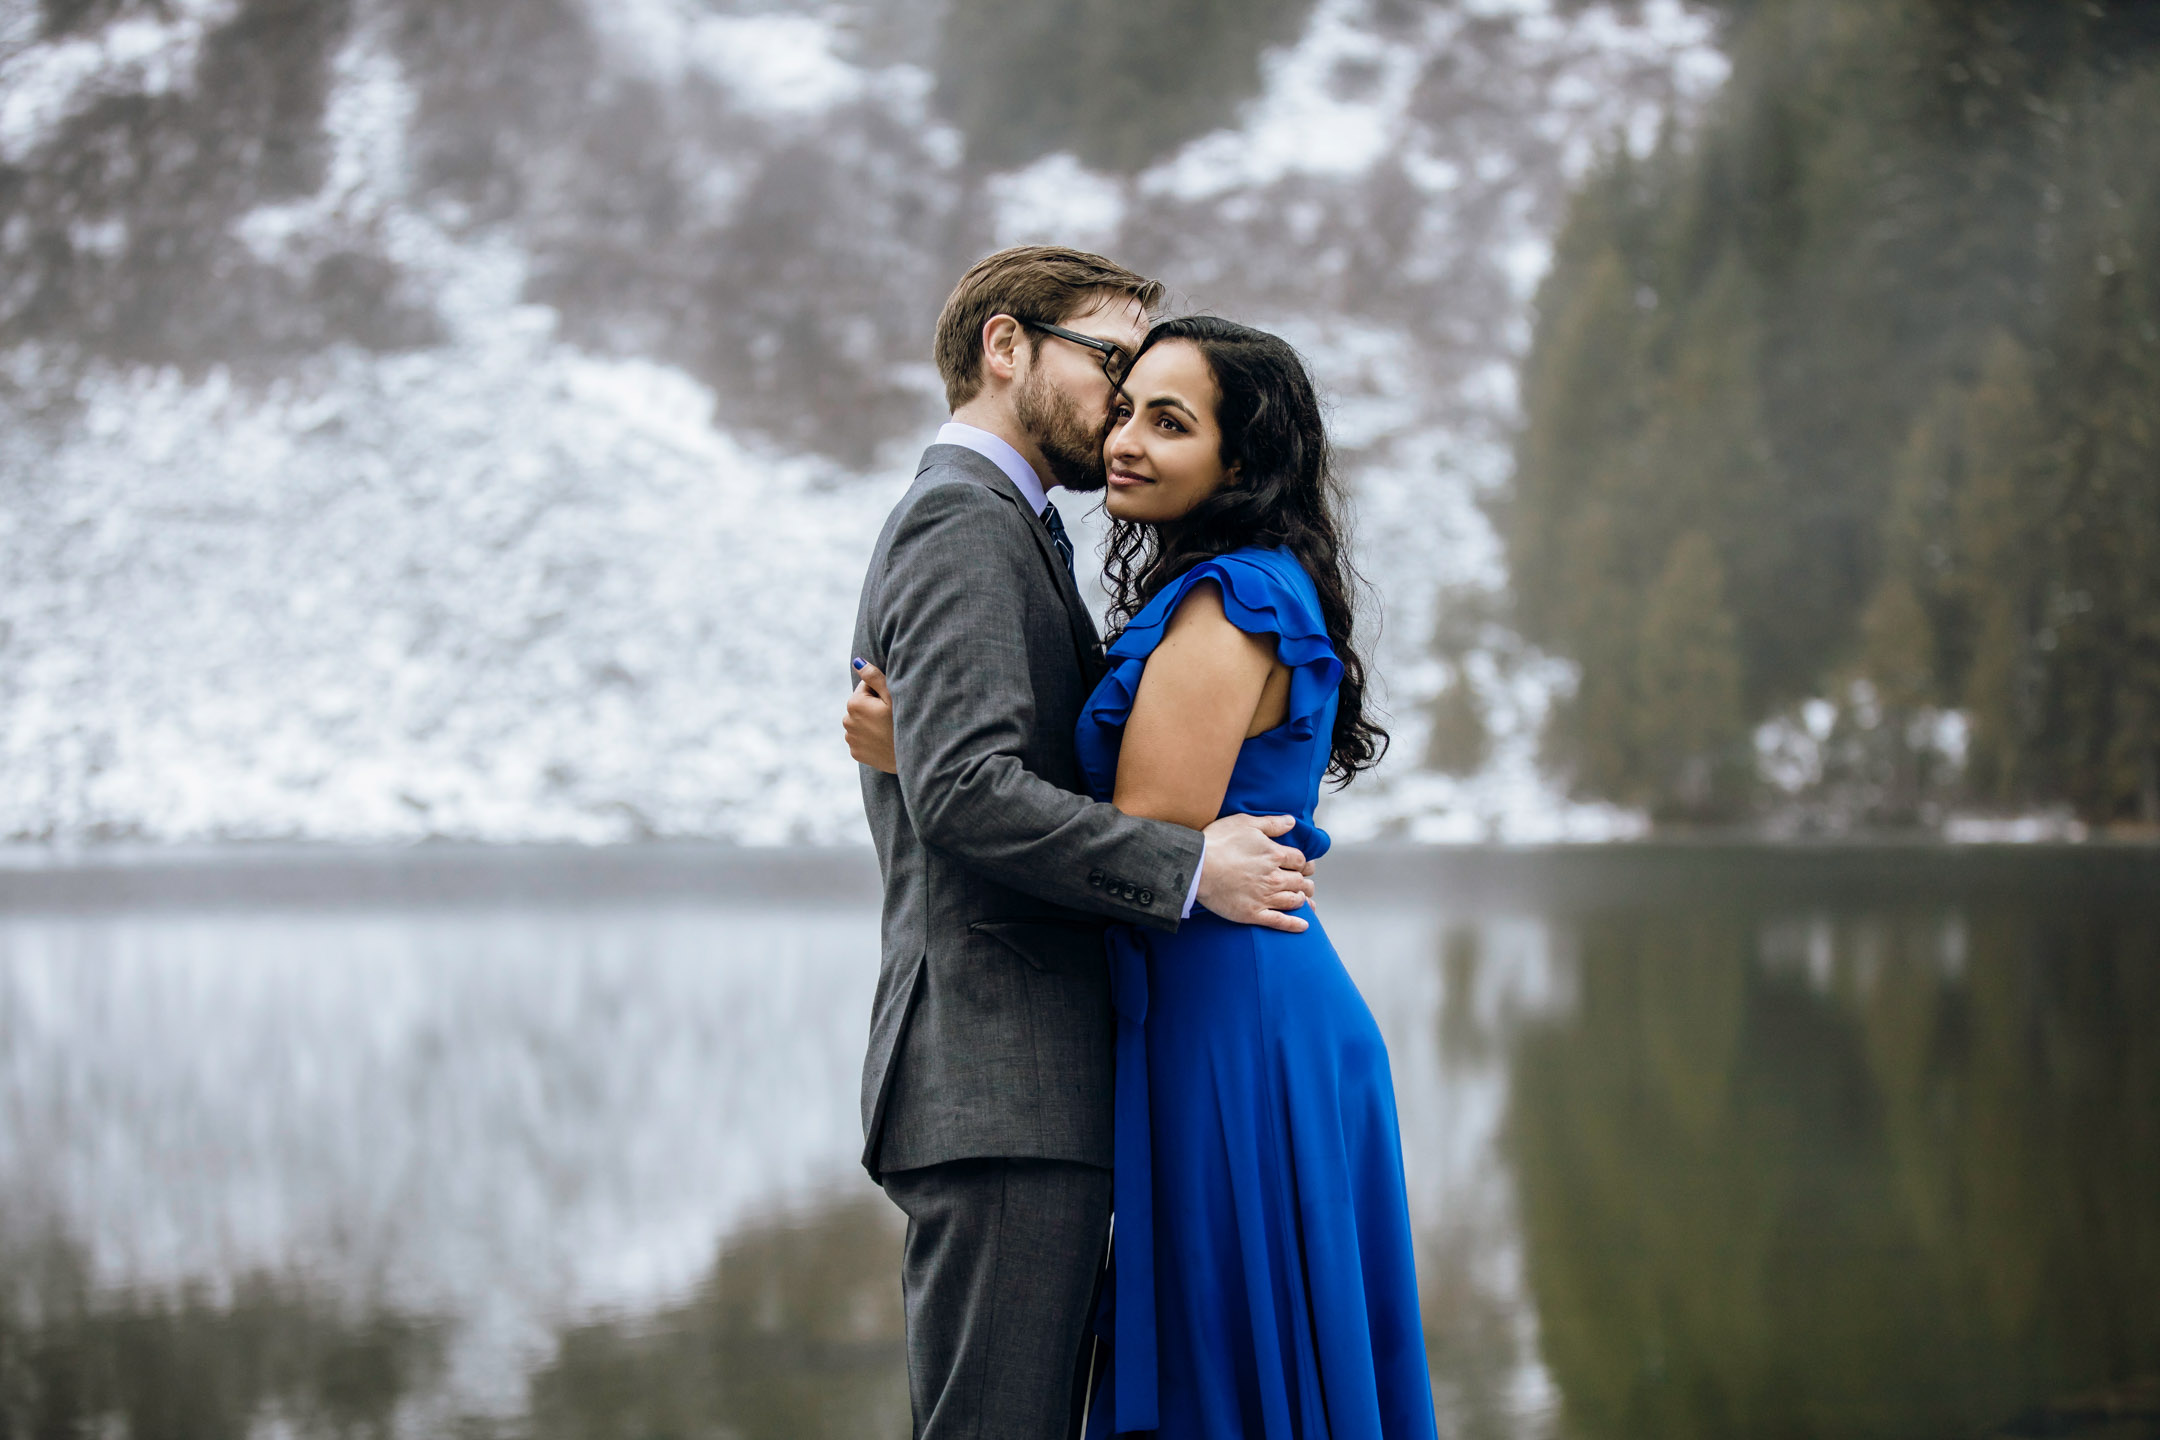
x=1087, y=643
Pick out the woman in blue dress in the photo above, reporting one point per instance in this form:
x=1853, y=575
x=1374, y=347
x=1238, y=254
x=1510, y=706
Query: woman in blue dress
x=1262, y=1280
x=1263, y=1271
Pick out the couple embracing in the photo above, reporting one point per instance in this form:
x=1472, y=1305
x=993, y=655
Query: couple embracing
x=1103, y=992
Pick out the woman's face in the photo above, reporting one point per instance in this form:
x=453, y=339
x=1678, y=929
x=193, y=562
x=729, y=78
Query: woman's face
x=1164, y=450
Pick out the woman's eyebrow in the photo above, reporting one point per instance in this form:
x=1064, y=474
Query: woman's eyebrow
x=1173, y=402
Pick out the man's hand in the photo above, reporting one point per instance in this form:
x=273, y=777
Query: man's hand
x=868, y=723
x=1247, y=877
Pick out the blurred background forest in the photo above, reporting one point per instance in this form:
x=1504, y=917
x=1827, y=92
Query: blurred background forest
x=1843, y=421
x=468, y=419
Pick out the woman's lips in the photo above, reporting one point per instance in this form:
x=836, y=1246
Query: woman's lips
x=1126, y=477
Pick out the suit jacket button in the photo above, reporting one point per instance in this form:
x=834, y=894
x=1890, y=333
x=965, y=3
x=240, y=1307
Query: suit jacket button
x=1147, y=897
x=1095, y=878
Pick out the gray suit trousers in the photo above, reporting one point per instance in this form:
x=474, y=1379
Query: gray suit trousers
x=999, y=1276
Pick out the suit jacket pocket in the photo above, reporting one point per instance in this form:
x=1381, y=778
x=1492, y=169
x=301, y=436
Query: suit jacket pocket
x=1060, y=946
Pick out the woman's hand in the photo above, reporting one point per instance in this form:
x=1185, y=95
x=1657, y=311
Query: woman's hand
x=868, y=723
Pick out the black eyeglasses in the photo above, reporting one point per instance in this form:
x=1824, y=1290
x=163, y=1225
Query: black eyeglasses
x=1115, y=362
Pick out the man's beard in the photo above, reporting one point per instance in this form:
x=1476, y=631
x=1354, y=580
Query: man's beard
x=1070, y=447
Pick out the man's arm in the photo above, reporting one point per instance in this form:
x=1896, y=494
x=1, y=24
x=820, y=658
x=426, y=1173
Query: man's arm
x=956, y=657
x=1237, y=890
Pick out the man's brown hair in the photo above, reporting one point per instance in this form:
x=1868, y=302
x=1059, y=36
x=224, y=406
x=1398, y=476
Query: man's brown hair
x=1046, y=283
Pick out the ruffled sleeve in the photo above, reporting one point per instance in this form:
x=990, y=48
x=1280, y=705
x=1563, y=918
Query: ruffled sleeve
x=1264, y=592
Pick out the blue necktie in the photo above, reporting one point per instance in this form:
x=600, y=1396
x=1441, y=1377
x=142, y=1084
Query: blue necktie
x=1059, y=538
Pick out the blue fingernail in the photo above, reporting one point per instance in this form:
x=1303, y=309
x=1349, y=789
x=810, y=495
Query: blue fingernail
x=858, y=662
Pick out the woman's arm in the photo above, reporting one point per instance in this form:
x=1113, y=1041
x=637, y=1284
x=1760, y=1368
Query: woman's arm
x=1207, y=687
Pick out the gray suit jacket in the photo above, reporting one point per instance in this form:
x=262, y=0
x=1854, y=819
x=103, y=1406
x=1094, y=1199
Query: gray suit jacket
x=991, y=1032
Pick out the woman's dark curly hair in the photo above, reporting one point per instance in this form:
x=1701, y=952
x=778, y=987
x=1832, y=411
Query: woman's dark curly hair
x=1285, y=495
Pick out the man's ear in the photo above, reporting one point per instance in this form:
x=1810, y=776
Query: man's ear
x=1001, y=343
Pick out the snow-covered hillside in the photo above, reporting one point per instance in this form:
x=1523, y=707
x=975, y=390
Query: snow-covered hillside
x=419, y=425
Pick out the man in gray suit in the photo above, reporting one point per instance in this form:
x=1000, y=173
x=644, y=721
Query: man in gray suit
x=986, y=1092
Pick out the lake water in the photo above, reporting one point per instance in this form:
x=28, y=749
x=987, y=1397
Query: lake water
x=1701, y=1142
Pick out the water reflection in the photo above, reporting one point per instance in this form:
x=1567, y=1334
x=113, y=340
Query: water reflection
x=195, y=1364
x=1885, y=1171
x=795, y=1331
x=1698, y=1144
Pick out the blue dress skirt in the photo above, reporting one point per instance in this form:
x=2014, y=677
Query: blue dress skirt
x=1263, y=1281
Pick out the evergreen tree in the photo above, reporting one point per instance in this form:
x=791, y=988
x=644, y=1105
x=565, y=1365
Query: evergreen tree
x=1460, y=741
x=1898, y=664
x=1579, y=383
x=1689, y=721
x=1566, y=519
x=2097, y=728
x=1995, y=532
x=1590, y=735
x=1918, y=549
x=1468, y=620
x=1709, y=466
